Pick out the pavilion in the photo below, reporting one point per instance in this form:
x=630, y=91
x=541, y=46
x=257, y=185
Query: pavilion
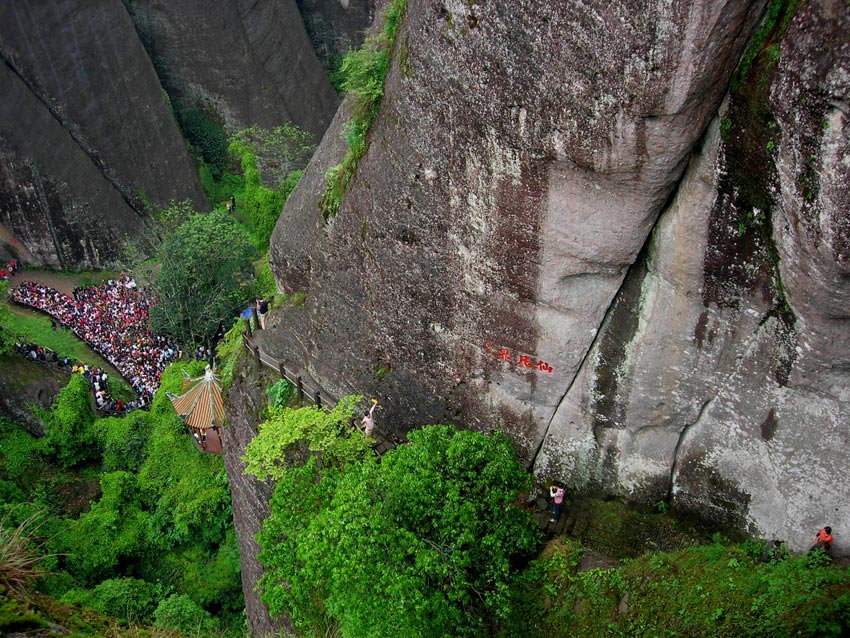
x=201, y=409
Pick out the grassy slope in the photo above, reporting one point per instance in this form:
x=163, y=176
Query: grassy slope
x=37, y=615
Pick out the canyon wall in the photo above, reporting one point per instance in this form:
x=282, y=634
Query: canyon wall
x=247, y=63
x=579, y=223
x=89, y=144
x=86, y=137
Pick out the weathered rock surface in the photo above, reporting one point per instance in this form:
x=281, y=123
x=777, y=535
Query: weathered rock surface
x=337, y=26
x=86, y=137
x=548, y=235
x=25, y=385
x=88, y=143
x=248, y=63
x=250, y=496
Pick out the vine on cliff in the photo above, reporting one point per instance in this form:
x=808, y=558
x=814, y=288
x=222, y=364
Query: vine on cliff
x=364, y=72
x=741, y=236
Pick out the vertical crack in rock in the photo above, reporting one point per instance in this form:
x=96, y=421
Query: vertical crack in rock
x=615, y=300
x=640, y=262
x=674, y=466
x=718, y=390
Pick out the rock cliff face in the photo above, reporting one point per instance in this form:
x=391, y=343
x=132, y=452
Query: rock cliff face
x=85, y=134
x=88, y=141
x=572, y=224
x=25, y=385
x=248, y=63
x=337, y=26
x=250, y=497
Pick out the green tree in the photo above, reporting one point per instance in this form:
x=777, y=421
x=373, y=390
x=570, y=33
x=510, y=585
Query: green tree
x=205, y=275
x=71, y=436
x=291, y=434
x=423, y=542
x=178, y=612
x=271, y=161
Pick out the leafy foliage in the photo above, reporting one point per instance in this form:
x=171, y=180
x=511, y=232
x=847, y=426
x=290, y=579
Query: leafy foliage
x=114, y=530
x=271, y=161
x=206, y=267
x=228, y=351
x=168, y=527
x=206, y=136
x=264, y=283
x=174, y=214
x=422, y=543
x=711, y=590
x=280, y=393
x=221, y=190
x=70, y=433
x=21, y=454
x=363, y=71
x=294, y=433
x=123, y=441
x=131, y=600
x=178, y=612
x=276, y=152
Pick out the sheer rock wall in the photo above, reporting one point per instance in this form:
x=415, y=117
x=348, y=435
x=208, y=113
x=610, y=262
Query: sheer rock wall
x=248, y=63
x=88, y=141
x=243, y=405
x=85, y=134
x=548, y=234
x=337, y=26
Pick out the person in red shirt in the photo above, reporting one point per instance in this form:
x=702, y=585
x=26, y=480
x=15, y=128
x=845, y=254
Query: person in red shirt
x=823, y=540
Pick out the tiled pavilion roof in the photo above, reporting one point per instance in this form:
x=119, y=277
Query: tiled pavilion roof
x=200, y=406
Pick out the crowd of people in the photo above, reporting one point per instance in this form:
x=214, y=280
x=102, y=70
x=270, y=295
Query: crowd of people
x=112, y=319
x=9, y=270
x=97, y=377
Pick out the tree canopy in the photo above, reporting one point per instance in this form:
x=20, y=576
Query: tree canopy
x=421, y=542
x=204, y=279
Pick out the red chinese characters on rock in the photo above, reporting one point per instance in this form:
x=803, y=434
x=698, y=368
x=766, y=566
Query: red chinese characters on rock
x=522, y=361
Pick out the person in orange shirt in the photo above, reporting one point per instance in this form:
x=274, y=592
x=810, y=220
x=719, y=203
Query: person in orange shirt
x=823, y=540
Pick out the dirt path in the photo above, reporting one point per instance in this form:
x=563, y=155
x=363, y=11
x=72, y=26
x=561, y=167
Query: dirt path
x=61, y=281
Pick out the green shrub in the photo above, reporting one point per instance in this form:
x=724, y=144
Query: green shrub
x=714, y=590
x=265, y=286
x=206, y=136
x=228, y=351
x=131, y=600
x=271, y=161
x=426, y=542
x=123, y=441
x=114, y=530
x=179, y=613
x=21, y=454
x=220, y=190
x=71, y=436
x=280, y=393
x=308, y=430
x=10, y=493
